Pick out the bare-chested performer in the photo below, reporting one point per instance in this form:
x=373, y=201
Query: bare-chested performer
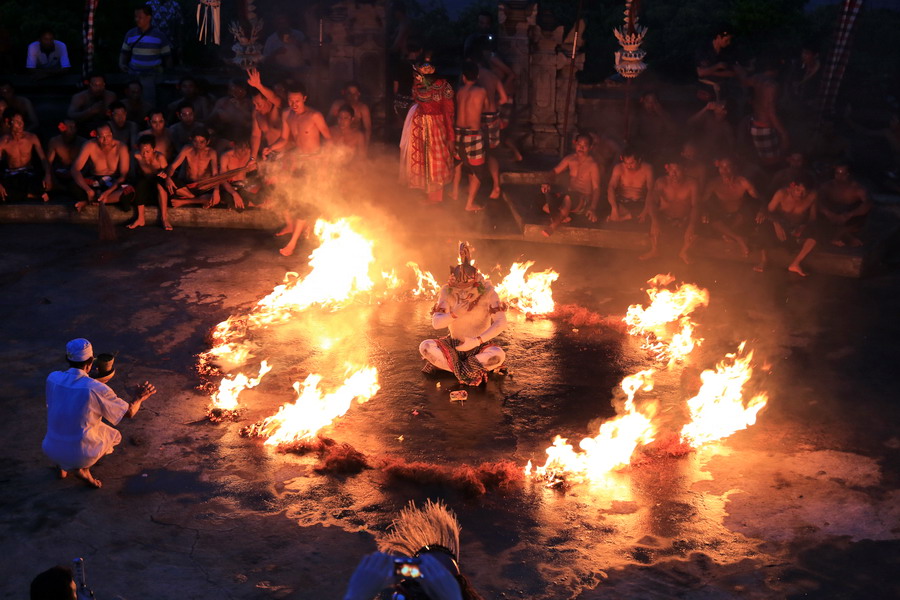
x=583, y=193
x=302, y=131
x=844, y=203
x=673, y=209
x=770, y=138
x=471, y=102
x=347, y=140
x=150, y=187
x=109, y=170
x=630, y=182
x=792, y=217
x=267, y=114
x=240, y=187
x=362, y=119
x=200, y=162
x=730, y=213
x=490, y=117
x=23, y=177
x=62, y=150
x=88, y=107
x=472, y=310
x=158, y=130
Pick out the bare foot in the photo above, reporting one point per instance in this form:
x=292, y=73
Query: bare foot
x=285, y=230
x=648, y=255
x=288, y=250
x=473, y=208
x=796, y=269
x=61, y=473
x=745, y=251
x=495, y=193
x=838, y=242
x=684, y=257
x=759, y=268
x=453, y=195
x=167, y=226
x=45, y=197
x=85, y=474
x=136, y=224
x=80, y=205
x=547, y=232
x=517, y=156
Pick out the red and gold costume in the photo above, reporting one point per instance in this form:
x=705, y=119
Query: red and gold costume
x=427, y=140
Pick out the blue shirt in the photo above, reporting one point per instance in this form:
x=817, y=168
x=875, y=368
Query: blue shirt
x=147, y=52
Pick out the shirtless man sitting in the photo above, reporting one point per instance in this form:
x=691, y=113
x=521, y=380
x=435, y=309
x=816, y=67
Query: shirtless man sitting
x=302, y=130
x=88, y=107
x=673, y=210
x=61, y=153
x=470, y=307
x=123, y=130
x=471, y=101
x=844, y=203
x=241, y=188
x=347, y=139
x=150, y=184
x=267, y=115
x=583, y=193
x=362, y=119
x=158, y=130
x=180, y=132
x=725, y=200
x=629, y=184
x=22, y=178
x=792, y=217
x=231, y=114
x=109, y=170
x=200, y=162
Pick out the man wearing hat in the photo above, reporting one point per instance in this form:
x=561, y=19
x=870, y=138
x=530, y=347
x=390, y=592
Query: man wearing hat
x=77, y=405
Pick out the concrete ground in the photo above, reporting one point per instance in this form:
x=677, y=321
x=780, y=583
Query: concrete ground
x=803, y=504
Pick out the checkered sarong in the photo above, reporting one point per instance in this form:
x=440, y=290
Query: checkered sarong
x=765, y=140
x=470, y=145
x=463, y=364
x=490, y=122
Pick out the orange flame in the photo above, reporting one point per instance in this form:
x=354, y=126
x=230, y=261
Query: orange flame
x=426, y=285
x=226, y=397
x=718, y=410
x=313, y=409
x=665, y=326
x=528, y=293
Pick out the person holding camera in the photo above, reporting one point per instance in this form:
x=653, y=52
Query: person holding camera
x=77, y=406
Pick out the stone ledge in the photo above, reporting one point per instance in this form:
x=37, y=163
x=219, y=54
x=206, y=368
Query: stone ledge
x=179, y=217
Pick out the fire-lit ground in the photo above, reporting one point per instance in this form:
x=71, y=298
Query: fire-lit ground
x=802, y=504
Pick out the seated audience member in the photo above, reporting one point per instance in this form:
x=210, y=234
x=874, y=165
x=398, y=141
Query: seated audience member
x=200, y=162
x=192, y=92
x=122, y=129
x=47, y=57
x=630, y=182
x=240, y=187
x=149, y=186
x=89, y=107
x=283, y=52
x=4, y=126
x=77, y=406
x=583, y=193
x=180, y=132
x=27, y=173
x=56, y=583
x=796, y=168
x=844, y=205
x=105, y=182
x=732, y=204
x=349, y=140
x=134, y=103
x=791, y=220
x=693, y=165
x=164, y=143
x=654, y=128
x=362, y=116
x=21, y=104
x=266, y=114
x=711, y=130
x=62, y=150
x=673, y=210
x=231, y=115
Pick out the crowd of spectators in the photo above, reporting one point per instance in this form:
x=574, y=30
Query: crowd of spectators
x=676, y=178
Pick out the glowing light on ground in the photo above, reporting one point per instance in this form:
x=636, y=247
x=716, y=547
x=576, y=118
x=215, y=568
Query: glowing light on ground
x=313, y=409
x=719, y=409
x=529, y=293
x=665, y=326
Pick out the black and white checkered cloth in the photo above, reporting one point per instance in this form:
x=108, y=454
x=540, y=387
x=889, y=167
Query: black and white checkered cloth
x=838, y=56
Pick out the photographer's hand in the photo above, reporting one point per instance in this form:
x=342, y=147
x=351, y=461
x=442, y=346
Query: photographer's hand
x=437, y=581
x=374, y=573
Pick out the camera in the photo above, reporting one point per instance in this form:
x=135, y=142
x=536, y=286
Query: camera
x=407, y=568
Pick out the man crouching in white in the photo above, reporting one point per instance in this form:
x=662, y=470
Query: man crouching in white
x=471, y=309
x=77, y=405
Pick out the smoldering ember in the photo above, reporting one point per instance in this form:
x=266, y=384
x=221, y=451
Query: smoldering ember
x=450, y=300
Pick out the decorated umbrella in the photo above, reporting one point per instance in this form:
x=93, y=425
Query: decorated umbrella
x=630, y=59
x=87, y=35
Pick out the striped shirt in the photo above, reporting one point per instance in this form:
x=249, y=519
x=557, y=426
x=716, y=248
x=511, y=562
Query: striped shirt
x=147, y=52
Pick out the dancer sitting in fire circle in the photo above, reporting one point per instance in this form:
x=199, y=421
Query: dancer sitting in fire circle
x=471, y=309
